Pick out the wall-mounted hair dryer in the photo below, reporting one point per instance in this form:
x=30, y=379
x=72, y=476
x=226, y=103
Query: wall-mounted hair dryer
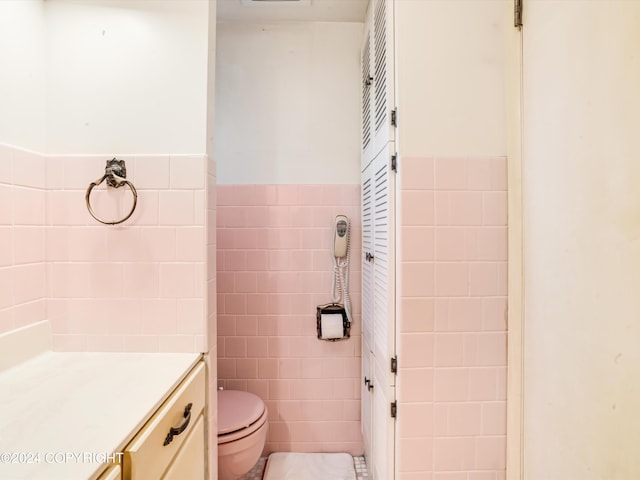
x=341, y=255
x=340, y=236
x=334, y=319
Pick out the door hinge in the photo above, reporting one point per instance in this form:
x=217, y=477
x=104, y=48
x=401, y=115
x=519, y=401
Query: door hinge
x=517, y=13
x=394, y=117
x=394, y=162
x=394, y=364
x=394, y=409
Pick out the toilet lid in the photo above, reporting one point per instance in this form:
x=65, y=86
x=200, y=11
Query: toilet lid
x=237, y=410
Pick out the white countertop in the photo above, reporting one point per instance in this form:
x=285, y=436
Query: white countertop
x=59, y=404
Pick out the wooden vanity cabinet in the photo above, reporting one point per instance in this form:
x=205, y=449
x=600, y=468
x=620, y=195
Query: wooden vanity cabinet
x=171, y=445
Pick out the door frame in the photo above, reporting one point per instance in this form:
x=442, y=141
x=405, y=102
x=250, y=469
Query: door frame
x=516, y=267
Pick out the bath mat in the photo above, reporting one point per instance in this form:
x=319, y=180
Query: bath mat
x=310, y=466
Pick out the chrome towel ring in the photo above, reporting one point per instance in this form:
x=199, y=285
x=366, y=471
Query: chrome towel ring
x=115, y=173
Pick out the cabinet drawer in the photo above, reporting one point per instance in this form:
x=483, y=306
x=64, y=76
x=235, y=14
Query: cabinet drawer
x=189, y=461
x=146, y=457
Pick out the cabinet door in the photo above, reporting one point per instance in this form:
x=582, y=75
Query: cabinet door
x=383, y=288
x=383, y=314
x=378, y=85
x=366, y=65
x=383, y=425
x=378, y=263
x=378, y=313
x=189, y=461
x=149, y=454
x=383, y=74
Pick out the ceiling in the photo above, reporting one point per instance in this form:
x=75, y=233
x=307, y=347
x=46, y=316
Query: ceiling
x=291, y=11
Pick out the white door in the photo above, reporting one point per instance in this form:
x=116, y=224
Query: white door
x=383, y=74
x=377, y=77
x=383, y=315
x=367, y=212
x=367, y=64
x=378, y=314
x=378, y=262
x=581, y=184
x=383, y=288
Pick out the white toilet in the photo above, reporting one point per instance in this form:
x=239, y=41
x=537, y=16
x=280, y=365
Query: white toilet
x=242, y=432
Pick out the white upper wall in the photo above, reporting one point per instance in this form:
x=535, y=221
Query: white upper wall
x=282, y=11
x=22, y=81
x=126, y=76
x=288, y=103
x=450, y=77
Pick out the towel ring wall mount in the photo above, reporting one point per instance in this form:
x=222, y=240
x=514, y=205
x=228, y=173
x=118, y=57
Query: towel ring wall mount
x=115, y=173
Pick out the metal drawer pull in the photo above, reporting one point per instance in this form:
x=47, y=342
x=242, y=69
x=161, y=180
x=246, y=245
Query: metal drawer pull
x=175, y=431
x=115, y=173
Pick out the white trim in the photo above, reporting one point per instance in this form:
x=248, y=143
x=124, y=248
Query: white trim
x=515, y=322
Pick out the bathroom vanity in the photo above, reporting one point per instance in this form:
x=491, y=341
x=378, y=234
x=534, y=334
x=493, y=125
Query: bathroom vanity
x=103, y=416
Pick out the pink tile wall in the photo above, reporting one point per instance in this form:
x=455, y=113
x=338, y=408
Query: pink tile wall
x=138, y=286
x=141, y=286
x=452, y=318
x=274, y=267
x=22, y=238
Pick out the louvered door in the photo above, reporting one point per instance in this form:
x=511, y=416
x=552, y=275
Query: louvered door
x=377, y=76
x=383, y=74
x=383, y=262
x=378, y=263
x=366, y=65
x=378, y=313
x=367, y=212
x=383, y=314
